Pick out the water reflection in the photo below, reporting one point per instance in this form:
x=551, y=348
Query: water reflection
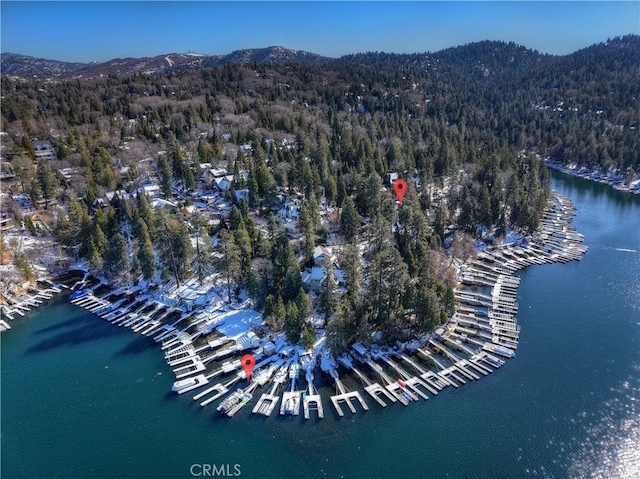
x=611, y=448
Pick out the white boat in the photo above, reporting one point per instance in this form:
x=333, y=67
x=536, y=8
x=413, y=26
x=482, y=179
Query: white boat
x=232, y=400
x=184, y=385
x=290, y=405
x=502, y=351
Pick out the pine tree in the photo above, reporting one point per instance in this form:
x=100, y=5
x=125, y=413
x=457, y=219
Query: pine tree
x=292, y=322
x=94, y=258
x=23, y=169
x=350, y=263
x=228, y=261
x=202, y=259
x=165, y=175
x=98, y=239
x=116, y=256
x=308, y=336
x=328, y=299
x=175, y=245
x=349, y=220
x=389, y=279
x=146, y=255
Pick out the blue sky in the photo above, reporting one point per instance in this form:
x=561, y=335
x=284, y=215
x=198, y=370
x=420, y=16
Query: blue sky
x=99, y=31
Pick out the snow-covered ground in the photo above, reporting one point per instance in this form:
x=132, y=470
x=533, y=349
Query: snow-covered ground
x=513, y=237
x=239, y=321
x=42, y=252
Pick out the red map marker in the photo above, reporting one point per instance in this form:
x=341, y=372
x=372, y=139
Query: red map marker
x=400, y=187
x=248, y=362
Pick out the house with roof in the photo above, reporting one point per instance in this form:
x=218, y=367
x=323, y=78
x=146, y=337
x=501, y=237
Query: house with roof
x=242, y=195
x=44, y=150
x=188, y=210
x=389, y=178
x=210, y=174
x=313, y=279
x=224, y=183
x=6, y=171
x=160, y=203
x=121, y=194
x=67, y=175
x=321, y=254
x=152, y=190
x=23, y=202
x=98, y=204
x=331, y=219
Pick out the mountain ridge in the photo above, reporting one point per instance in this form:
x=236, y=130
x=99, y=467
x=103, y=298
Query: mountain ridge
x=19, y=64
x=484, y=56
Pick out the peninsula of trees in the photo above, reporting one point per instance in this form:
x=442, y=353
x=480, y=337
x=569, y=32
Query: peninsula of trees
x=276, y=177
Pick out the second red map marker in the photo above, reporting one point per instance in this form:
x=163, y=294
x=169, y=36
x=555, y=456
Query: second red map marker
x=400, y=187
x=248, y=362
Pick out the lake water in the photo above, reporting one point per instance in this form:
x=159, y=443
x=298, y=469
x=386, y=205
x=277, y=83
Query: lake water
x=81, y=398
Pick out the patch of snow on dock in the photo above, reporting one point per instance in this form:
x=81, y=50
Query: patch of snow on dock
x=513, y=237
x=480, y=245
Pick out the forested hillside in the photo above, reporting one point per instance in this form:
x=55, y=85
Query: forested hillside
x=462, y=126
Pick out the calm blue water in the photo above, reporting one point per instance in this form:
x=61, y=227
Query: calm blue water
x=82, y=398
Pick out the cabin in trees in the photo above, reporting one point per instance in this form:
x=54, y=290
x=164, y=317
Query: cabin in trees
x=320, y=254
x=23, y=202
x=188, y=210
x=389, y=178
x=331, y=219
x=313, y=279
x=43, y=150
x=6, y=172
x=209, y=174
x=151, y=189
x=242, y=195
x=224, y=183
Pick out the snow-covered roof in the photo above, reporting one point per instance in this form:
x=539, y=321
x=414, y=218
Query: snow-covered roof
x=160, y=203
x=122, y=194
x=318, y=273
x=359, y=348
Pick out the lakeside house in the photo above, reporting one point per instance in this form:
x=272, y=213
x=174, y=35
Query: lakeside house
x=23, y=202
x=122, y=194
x=389, y=178
x=313, y=279
x=224, y=183
x=6, y=171
x=44, y=150
x=151, y=189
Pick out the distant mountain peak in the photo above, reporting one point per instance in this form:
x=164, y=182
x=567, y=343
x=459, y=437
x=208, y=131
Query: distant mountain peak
x=483, y=58
x=17, y=64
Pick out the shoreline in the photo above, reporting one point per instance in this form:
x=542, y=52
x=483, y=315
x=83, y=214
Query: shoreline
x=20, y=305
x=203, y=341
x=616, y=182
x=495, y=267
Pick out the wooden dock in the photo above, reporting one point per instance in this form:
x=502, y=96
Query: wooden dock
x=268, y=401
x=219, y=390
x=346, y=396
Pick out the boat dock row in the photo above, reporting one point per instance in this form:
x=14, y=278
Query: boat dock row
x=196, y=353
x=492, y=316
x=13, y=306
x=204, y=353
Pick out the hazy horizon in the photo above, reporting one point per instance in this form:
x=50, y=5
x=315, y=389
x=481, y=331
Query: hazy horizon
x=100, y=31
